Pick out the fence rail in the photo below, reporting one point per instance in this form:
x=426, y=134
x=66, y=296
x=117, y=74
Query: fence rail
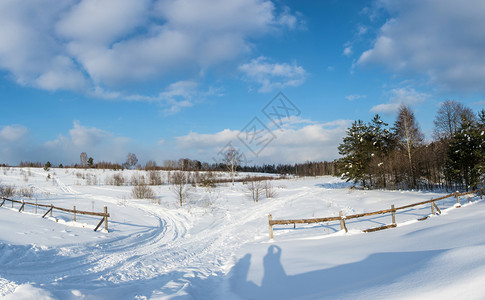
x=74, y=211
x=392, y=210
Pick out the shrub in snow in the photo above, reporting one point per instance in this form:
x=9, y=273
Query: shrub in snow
x=142, y=191
x=7, y=190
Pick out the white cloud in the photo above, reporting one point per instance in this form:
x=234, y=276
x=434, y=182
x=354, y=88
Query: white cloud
x=445, y=40
x=102, y=22
x=98, y=143
x=98, y=46
x=348, y=51
x=355, y=97
x=30, y=51
x=176, y=96
x=87, y=137
x=299, y=141
x=12, y=133
x=273, y=75
x=398, y=96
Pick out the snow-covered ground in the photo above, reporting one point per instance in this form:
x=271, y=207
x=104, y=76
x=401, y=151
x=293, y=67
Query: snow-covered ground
x=217, y=247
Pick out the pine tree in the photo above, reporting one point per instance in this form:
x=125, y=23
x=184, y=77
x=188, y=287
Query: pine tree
x=357, y=151
x=382, y=142
x=466, y=154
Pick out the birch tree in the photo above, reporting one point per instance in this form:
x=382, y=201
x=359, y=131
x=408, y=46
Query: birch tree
x=232, y=159
x=84, y=159
x=408, y=136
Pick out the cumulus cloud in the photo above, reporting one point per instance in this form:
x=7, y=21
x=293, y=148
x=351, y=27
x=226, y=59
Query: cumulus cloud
x=273, y=75
x=399, y=96
x=176, y=96
x=442, y=39
x=98, y=46
x=100, y=144
x=86, y=137
x=12, y=133
x=299, y=141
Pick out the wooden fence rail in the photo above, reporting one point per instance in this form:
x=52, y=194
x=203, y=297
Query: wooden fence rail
x=74, y=211
x=392, y=210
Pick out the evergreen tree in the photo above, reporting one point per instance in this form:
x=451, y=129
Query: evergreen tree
x=466, y=154
x=382, y=142
x=356, y=150
x=90, y=162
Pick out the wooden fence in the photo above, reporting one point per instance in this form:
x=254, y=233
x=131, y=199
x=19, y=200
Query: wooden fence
x=51, y=207
x=392, y=210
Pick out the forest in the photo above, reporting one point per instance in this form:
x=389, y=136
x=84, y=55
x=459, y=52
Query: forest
x=397, y=157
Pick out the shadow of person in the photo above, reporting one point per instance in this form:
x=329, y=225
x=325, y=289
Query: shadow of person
x=274, y=274
x=239, y=275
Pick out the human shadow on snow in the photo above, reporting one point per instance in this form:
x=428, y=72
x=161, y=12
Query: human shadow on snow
x=376, y=270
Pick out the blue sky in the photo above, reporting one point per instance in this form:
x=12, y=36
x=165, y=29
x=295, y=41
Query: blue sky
x=168, y=79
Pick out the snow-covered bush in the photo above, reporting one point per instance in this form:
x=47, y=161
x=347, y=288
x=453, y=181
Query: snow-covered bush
x=142, y=191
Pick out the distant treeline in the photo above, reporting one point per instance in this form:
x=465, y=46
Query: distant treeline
x=317, y=168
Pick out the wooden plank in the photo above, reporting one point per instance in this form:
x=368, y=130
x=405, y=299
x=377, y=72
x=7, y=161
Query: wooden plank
x=303, y=221
x=342, y=222
x=423, y=218
x=47, y=212
x=106, y=218
x=100, y=214
x=437, y=208
x=22, y=207
x=393, y=214
x=2, y=203
x=380, y=228
x=101, y=222
x=270, y=218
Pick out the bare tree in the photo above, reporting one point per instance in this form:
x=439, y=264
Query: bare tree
x=269, y=189
x=84, y=159
x=180, y=187
x=232, y=159
x=449, y=117
x=408, y=135
x=131, y=160
x=255, y=189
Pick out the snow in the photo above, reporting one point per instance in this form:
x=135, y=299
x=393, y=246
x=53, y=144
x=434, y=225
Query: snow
x=217, y=247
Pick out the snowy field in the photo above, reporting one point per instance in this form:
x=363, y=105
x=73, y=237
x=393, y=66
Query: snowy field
x=217, y=247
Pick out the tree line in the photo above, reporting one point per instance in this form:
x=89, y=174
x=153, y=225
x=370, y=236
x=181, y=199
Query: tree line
x=397, y=157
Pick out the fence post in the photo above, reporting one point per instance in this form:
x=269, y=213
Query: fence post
x=270, y=218
x=342, y=222
x=22, y=207
x=457, y=195
x=35, y=205
x=74, y=213
x=52, y=208
x=432, y=207
x=393, y=214
x=481, y=193
x=106, y=218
